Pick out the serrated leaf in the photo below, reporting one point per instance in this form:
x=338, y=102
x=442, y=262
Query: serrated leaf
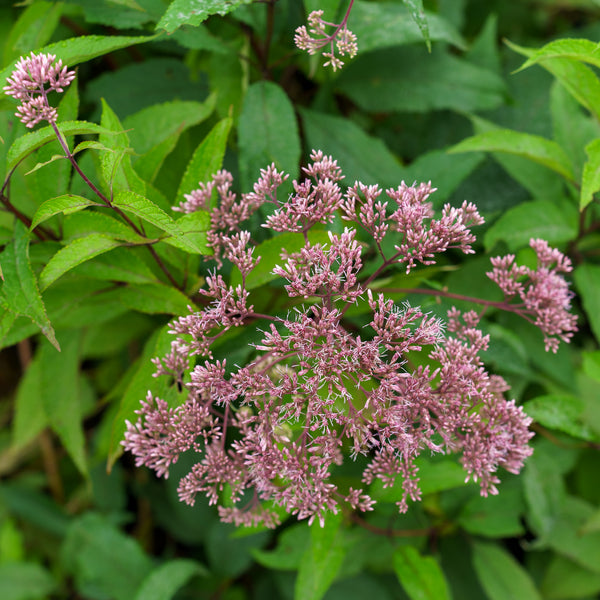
x=60, y=390
x=120, y=264
x=420, y=576
x=84, y=223
x=322, y=559
x=206, y=160
x=141, y=380
x=536, y=219
x=67, y=204
x=564, y=413
x=194, y=227
x=267, y=133
x=146, y=210
x=26, y=144
x=75, y=253
x=165, y=580
x=190, y=12
x=533, y=147
x=20, y=288
x=590, y=179
x=501, y=575
x=580, y=81
x=574, y=49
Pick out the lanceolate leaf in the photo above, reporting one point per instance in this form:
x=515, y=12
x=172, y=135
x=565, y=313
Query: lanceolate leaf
x=587, y=278
x=417, y=12
x=36, y=139
x=20, y=288
x=78, y=251
x=148, y=211
x=207, y=159
x=581, y=50
x=565, y=413
x=67, y=204
x=420, y=576
x=164, y=581
x=533, y=147
x=192, y=12
x=501, y=575
x=194, y=226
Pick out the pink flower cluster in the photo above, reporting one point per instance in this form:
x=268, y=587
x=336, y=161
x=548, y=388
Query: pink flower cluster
x=544, y=293
x=316, y=38
x=28, y=82
x=317, y=389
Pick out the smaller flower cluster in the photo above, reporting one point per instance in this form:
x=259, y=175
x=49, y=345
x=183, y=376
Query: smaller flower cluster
x=28, y=82
x=545, y=294
x=342, y=39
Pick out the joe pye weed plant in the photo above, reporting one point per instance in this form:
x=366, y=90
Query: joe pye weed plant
x=305, y=354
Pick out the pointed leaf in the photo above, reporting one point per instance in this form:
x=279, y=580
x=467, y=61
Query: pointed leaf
x=29, y=142
x=75, y=253
x=194, y=227
x=587, y=278
x=574, y=49
x=207, y=159
x=154, y=298
x=148, y=211
x=67, y=204
x=20, y=288
x=418, y=15
x=533, y=147
x=501, y=575
x=420, y=576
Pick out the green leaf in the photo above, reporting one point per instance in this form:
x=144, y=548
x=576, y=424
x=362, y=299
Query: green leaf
x=164, y=581
x=564, y=413
x=582, y=50
x=146, y=210
x=60, y=389
x=194, y=227
x=590, y=180
x=20, y=288
x=154, y=298
x=32, y=29
x=322, y=559
x=29, y=142
x=25, y=581
x=501, y=575
x=379, y=26
x=190, y=12
x=536, y=219
x=81, y=49
x=267, y=133
x=580, y=81
x=103, y=559
x=30, y=417
x=206, y=160
x=291, y=547
x=154, y=124
x=84, y=223
x=420, y=576
x=66, y=204
x=361, y=157
x=141, y=381
x=565, y=580
x=587, y=278
x=591, y=364
x=533, y=147
x=270, y=256
x=75, y=253
x=378, y=82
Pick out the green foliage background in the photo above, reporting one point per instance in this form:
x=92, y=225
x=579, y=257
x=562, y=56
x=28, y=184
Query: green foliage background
x=189, y=92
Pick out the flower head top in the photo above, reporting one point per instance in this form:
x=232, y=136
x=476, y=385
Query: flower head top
x=341, y=39
x=28, y=82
